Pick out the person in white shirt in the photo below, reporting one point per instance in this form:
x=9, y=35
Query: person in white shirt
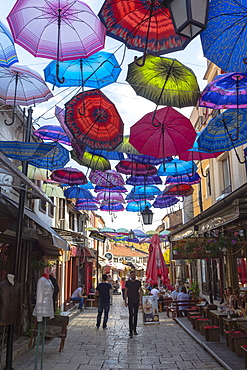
x=78, y=296
x=155, y=291
x=175, y=292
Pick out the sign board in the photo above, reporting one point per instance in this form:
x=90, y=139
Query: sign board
x=108, y=255
x=97, y=236
x=150, y=309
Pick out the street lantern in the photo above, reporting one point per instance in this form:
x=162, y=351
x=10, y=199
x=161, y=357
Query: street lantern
x=189, y=17
x=131, y=234
x=147, y=216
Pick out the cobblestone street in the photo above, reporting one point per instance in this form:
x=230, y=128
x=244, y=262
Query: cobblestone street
x=163, y=346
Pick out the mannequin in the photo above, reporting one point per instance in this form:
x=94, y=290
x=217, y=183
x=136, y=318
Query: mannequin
x=10, y=301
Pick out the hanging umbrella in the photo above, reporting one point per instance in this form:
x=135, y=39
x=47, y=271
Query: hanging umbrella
x=56, y=158
x=126, y=147
x=86, y=207
x=53, y=190
x=194, y=154
x=92, y=161
x=156, y=266
x=113, y=189
x=52, y=132
x=77, y=192
x=56, y=29
x=177, y=167
x=148, y=159
x=21, y=85
x=164, y=81
x=165, y=202
x=144, y=180
x=97, y=71
x=88, y=186
x=92, y=228
x=146, y=190
x=107, y=230
x=110, y=155
x=122, y=231
x=137, y=206
x=136, y=197
x=141, y=25
x=164, y=134
x=94, y=120
x=24, y=151
x=36, y=173
x=108, y=178
x=112, y=207
x=224, y=40
x=110, y=197
x=139, y=233
x=183, y=179
x=179, y=190
x=69, y=175
x=221, y=135
x=128, y=167
x=86, y=200
x=7, y=49
x=164, y=233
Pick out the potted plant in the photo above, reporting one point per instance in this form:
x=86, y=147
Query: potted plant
x=195, y=290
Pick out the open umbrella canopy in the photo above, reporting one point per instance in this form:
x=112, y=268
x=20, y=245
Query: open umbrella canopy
x=88, y=186
x=128, y=167
x=224, y=40
x=136, y=197
x=179, y=190
x=69, y=175
x=86, y=200
x=177, y=167
x=97, y=71
x=194, y=154
x=156, y=266
x=56, y=158
x=56, y=29
x=52, y=132
x=146, y=190
x=36, y=173
x=25, y=151
x=183, y=179
x=221, y=133
x=113, y=189
x=141, y=25
x=86, y=207
x=78, y=192
x=144, y=180
x=112, y=207
x=110, y=155
x=163, y=133
x=107, y=178
x=53, y=190
x=126, y=147
x=7, y=49
x=94, y=120
x=148, y=159
x=92, y=161
x=225, y=91
x=137, y=206
x=123, y=231
x=139, y=233
x=165, y=202
x=110, y=197
x=164, y=81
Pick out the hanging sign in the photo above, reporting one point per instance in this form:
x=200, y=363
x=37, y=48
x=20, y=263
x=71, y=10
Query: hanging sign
x=97, y=236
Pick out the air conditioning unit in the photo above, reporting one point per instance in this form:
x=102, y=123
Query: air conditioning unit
x=63, y=224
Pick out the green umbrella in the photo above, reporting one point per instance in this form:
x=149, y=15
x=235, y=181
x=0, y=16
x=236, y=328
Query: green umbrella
x=53, y=190
x=93, y=161
x=126, y=147
x=164, y=81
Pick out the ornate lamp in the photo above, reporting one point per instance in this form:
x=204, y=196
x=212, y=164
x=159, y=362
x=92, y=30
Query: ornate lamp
x=131, y=234
x=147, y=216
x=189, y=16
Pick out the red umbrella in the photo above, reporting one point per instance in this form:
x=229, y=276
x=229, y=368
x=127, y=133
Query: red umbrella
x=133, y=168
x=69, y=175
x=156, y=266
x=94, y=120
x=178, y=189
x=163, y=133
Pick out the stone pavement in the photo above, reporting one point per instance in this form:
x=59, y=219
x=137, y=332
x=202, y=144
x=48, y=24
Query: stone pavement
x=157, y=347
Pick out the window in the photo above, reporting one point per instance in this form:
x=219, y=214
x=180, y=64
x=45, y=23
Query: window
x=71, y=221
x=208, y=183
x=42, y=205
x=226, y=177
x=51, y=209
x=61, y=209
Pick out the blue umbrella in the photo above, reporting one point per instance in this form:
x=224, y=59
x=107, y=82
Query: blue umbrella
x=86, y=207
x=139, y=233
x=112, y=207
x=110, y=155
x=183, y=179
x=164, y=202
x=144, y=180
x=221, y=134
x=148, y=159
x=78, y=193
x=224, y=40
x=114, y=189
x=25, y=151
x=177, y=167
x=137, y=206
x=88, y=186
x=146, y=190
x=137, y=197
x=98, y=70
x=52, y=132
x=7, y=49
x=56, y=158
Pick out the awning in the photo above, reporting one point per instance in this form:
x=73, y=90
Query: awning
x=119, y=266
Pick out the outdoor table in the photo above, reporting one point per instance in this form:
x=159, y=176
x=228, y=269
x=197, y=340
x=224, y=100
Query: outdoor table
x=242, y=325
x=231, y=323
x=207, y=311
x=217, y=319
x=201, y=306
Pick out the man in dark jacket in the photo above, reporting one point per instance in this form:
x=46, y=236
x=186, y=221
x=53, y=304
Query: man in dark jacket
x=103, y=291
x=133, y=297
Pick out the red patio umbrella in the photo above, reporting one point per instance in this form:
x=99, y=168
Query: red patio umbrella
x=156, y=266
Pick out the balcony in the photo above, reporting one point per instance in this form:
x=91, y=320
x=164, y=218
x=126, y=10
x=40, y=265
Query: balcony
x=227, y=190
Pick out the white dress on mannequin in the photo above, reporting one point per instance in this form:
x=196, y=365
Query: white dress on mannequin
x=44, y=300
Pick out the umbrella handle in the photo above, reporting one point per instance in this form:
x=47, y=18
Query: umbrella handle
x=61, y=81
x=13, y=112
x=13, y=119
x=143, y=60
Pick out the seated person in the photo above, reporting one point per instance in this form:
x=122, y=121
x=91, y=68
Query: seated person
x=78, y=296
x=115, y=286
x=224, y=300
x=156, y=293
x=236, y=301
x=175, y=292
x=183, y=296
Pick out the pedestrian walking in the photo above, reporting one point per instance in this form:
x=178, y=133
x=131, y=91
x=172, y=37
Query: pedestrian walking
x=103, y=290
x=133, y=297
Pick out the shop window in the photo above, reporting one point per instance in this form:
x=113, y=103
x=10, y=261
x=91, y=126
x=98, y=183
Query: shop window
x=50, y=208
x=61, y=209
x=226, y=177
x=71, y=221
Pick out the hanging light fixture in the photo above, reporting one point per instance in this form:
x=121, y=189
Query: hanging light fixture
x=131, y=234
x=147, y=216
x=189, y=17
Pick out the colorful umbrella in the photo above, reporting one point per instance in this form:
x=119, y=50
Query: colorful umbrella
x=118, y=189
x=108, y=178
x=107, y=230
x=92, y=161
x=53, y=190
x=137, y=206
x=139, y=233
x=163, y=134
x=146, y=190
x=144, y=180
x=183, y=179
x=179, y=190
x=165, y=202
x=194, y=154
x=110, y=197
x=110, y=155
x=164, y=81
x=86, y=200
x=148, y=159
x=128, y=167
x=224, y=40
x=112, y=207
x=56, y=158
x=69, y=175
x=126, y=147
x=221, y=134
x=95, y=122
x=141, y=25
x=7, y=49
x=122, y=231
x=88, y=186
x=24, y=151
x=86, y=207
x=78, y=192
x=36, y=173
x=97, y=71
x=54, y=133
x=136, y=197
x=156, y=266
x=177, y=167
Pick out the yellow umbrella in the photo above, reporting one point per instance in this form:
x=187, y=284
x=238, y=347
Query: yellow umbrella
x=36, y=173
x=53, y=190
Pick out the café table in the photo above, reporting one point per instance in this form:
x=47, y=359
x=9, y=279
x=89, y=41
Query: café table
x=217, y=318
x=201, y=307
x=231, y=323
x=242, y=325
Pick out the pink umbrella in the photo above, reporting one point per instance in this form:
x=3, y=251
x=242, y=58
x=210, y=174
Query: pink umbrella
x=129, y=167
x=69, y=175
x=107, y=178
x=110, y=197
x=156, y=266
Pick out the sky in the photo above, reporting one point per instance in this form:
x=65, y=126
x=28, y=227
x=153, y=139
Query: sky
x=130, y=107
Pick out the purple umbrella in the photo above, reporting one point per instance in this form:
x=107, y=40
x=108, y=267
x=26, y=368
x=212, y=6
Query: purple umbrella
x=118, y=189
x=112, y=207
x=164, y=202
x=144, y=180
x=148, y=159
x=54, y=133
x=107, y=178
x=86, y=207
x=110, y=197
x=183, y=179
